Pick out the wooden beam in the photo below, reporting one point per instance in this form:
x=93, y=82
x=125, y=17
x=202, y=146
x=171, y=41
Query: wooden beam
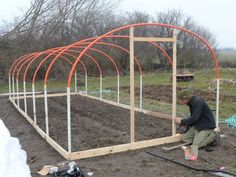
x=132, y=104
x=122, y=147
x=153, y=39
x=48, y=95
x=174, y=67
x=56, y=146
x=151, y=113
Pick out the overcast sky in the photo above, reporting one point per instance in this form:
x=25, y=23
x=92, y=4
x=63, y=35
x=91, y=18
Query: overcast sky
x=218, y=16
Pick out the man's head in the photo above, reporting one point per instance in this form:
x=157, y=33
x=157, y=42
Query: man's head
x=184, y=96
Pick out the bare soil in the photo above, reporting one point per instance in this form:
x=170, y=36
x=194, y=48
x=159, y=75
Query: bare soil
x=96, y=124
x=164, y=93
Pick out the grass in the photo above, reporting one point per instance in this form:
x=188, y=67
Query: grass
x=201, y=81
x=228, y=56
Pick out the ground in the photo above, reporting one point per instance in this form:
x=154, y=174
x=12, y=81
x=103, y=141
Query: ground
x=97, y=125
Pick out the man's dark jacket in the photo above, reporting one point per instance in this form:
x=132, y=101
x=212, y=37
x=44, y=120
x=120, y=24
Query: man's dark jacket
x=201, y=116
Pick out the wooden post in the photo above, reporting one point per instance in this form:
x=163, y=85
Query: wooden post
x=118, y=88
x=46, y=109
x=141, y=93
x=76, y=85
x=132, y=116
x=174, y=82
x=68, y=120
x=217, y=102
x=100, y=87
x=86, y=83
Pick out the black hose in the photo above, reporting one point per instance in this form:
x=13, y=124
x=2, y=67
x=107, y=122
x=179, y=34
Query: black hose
x=192, y=168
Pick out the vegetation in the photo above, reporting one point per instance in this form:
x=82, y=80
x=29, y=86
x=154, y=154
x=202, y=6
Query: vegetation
x=53, y=23
x=201, y=82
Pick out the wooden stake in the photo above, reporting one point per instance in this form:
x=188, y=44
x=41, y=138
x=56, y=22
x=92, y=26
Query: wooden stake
x=152, y=39
x=68, y=119
x=132, y=118
x=174, y=82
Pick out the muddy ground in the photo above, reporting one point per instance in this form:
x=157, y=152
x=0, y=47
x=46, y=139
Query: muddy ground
x=95, y=124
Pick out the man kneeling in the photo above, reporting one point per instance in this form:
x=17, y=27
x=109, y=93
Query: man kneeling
x=201, y=124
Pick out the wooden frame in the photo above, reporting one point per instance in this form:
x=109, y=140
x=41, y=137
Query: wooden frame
x=116, y=148
x=98, y=151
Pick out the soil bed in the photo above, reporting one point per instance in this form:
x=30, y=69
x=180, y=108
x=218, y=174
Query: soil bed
x=95, y=124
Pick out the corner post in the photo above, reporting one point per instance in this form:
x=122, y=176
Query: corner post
x=132, y=104
x=217, y=102
x=68, y=120
x=174, y=68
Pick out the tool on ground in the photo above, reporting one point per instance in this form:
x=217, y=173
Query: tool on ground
x=166, y=149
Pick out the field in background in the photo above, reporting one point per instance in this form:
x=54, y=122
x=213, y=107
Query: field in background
x=227, y=56
x=158, y=90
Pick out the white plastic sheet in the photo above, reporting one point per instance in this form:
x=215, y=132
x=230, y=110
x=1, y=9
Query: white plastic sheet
x=12, y=157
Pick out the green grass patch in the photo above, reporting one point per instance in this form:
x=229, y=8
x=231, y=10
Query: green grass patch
x=201, y=82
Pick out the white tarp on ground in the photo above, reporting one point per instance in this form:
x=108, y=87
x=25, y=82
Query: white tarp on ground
x=12, y=157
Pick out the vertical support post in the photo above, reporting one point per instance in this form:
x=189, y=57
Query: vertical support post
x=68, y=120
x=13, y=89
x=46, y=109
x=174, y=68
x=25, y=101
x=217, y=102
x=86, y=83
x=132, y=113
x=76, y=88
x=141, y=93
x=9, y=87
x=100, y=86
x=34, y=104
x=17, y=92
x=118, y=88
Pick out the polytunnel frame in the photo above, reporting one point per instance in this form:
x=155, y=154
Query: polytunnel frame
x=56, y=50
x=34, y=77
x=117, y=46
x=132, y=144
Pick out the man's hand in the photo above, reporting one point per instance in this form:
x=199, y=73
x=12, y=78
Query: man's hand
x=177, y=120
